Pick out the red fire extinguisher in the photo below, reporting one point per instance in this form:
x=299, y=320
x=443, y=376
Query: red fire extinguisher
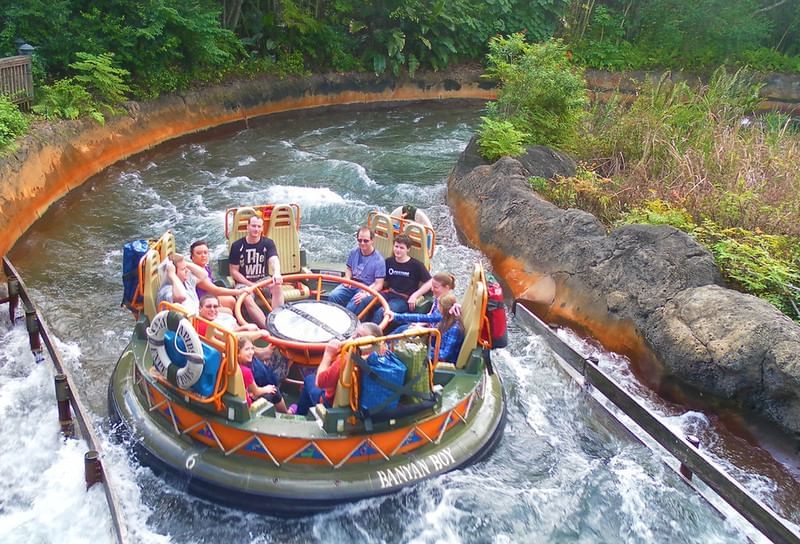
x=495, y=313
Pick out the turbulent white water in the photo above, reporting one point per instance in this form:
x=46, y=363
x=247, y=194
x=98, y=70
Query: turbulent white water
x=561, y=472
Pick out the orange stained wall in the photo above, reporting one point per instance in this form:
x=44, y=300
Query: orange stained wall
x=55, y=159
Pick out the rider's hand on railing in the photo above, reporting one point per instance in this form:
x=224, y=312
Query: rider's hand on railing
x=390, y=315
x=277, y=279
x=358, y=297
x=333, y=346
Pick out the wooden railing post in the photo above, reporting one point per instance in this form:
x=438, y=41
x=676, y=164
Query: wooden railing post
x=92, y=469
x=13, y=297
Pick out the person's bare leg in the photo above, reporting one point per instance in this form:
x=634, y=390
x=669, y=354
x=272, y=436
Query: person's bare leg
x=277, y=295
x=255, y=313
x=227, y=301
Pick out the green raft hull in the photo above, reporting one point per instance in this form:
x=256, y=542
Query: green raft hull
x=293, y=489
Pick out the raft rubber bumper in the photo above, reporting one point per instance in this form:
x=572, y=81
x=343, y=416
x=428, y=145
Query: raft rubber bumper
x=169, y=454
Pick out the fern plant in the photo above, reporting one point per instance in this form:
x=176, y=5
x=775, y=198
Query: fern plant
x=499, y=138
x=764, y=265
x=13, y=122
x=65, y=99
x=98, y=75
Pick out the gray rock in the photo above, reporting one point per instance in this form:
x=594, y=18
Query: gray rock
x=656, y=278
x=732, y=345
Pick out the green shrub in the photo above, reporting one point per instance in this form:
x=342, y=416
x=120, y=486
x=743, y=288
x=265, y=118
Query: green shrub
x=166, y=80
x=585, y=190
x=541, y=93
x=291, y=64
x=98, y=75
x=65, y=99
x=764, y=265
x=497, y=138
x=13, y=122
x=659, y=212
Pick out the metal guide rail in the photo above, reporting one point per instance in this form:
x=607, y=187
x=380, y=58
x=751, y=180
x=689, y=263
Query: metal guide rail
x=66, y=394
x=752, y=509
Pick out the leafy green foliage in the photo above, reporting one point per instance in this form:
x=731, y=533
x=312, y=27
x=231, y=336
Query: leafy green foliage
x=621, y=34
x=13, y=122
x=541, y=93
x=410, y=34
x=499, y=138
x=98, y=75
x=764, y=265
x=585, y=190
x=66, y=99
x=145, y=36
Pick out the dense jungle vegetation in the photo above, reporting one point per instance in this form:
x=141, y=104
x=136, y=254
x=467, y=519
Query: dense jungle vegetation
x=684, y=154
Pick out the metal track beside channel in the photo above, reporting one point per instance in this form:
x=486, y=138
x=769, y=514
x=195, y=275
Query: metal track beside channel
x=586, y=371
x=37, y=326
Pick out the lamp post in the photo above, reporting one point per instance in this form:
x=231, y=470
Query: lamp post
x=26, y=49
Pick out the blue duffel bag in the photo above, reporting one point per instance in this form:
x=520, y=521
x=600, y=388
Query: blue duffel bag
x=382, y=380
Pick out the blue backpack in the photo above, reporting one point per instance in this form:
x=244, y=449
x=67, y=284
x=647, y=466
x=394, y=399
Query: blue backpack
x=382, y=378
x=132, y=253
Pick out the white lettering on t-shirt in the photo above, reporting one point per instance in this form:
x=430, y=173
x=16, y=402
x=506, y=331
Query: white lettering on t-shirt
x=395, y=272
x=254, y=263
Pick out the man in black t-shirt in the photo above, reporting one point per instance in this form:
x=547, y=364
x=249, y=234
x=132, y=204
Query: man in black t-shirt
x=406, y=279
x=250, y=260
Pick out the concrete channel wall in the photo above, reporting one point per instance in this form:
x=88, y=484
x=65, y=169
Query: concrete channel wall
x=56, y=158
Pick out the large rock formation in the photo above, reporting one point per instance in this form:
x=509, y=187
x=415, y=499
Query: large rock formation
x=648, y=291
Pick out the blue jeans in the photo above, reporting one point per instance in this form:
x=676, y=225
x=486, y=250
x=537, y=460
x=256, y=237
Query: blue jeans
x=343, y=294
x=398, y=306
x=310, y=395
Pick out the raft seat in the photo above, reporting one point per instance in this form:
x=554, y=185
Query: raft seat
x=383, y=233
x=284, y=232
x=420, y=248
x=150, y=282
x=473, y=309
x=165, y=245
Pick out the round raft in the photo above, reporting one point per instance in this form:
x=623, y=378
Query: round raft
x=208, y=437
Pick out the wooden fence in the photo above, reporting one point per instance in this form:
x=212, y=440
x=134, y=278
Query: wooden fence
x=16, y=79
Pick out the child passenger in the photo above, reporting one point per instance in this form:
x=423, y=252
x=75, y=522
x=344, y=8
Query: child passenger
x=442, y=283
x=251, y=365
x=451, y=329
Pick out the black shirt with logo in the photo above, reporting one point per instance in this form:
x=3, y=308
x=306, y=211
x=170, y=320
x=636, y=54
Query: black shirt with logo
x=252, y=258
x=405, y=278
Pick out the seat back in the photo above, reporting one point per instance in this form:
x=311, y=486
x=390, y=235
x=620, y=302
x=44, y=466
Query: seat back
x=420, y=243
x=382, y=228
x=165, y=245
x=236, y=384
x=283, y=231
x=347, y=378
x=473, y=308
x=150, y=281
x=236, y=223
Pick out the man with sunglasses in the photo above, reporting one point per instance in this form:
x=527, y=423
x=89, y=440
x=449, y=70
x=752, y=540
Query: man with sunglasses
x=209, y=310
x=366, y=265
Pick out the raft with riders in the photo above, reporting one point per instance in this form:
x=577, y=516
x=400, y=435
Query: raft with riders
x=287, y=387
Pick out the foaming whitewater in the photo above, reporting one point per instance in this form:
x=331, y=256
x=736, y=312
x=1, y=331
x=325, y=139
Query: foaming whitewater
x=716, y=441
x=307, y=197
x=562, y=472
x=43, y=496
